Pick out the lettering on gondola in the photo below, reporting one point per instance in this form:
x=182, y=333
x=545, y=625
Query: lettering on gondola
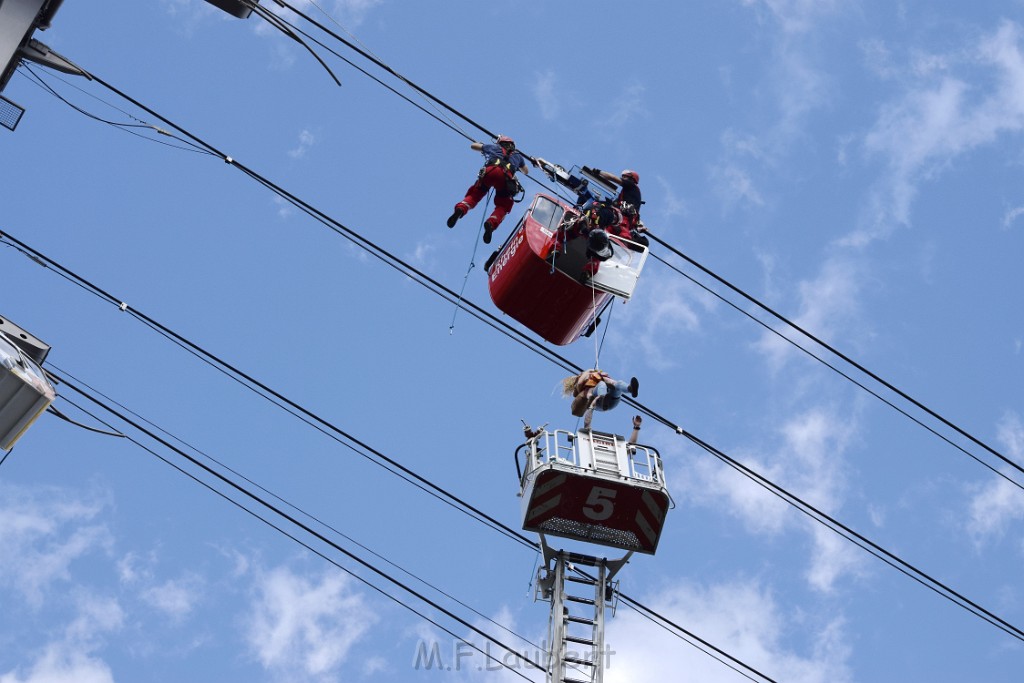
x=510, y=251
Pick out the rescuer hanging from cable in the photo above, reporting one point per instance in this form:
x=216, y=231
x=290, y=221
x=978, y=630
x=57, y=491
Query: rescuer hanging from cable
x=499, y=174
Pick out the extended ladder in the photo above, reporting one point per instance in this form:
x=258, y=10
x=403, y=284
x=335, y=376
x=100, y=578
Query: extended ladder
x=578, y=602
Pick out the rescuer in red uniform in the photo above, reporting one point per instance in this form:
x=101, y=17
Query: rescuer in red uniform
x=499, y=174
x=628, y=201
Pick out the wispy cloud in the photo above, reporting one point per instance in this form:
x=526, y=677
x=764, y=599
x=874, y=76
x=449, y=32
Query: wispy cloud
x=42, y=532
x=306, y=140
x=807, y=461
x=953, y=104
x=828, y=308
x=626, y=107
x=739, y=616
x=994, y=506
x=176, y=598
x=1012, y=215
x=72, y=656
x=306, y=626
x=796, y=16
x=651, y=326
x=546, y=94
x=794, y=86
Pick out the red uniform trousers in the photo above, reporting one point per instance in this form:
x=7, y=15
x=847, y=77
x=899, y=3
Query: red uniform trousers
x=497, y=179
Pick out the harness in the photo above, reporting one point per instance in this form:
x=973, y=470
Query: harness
x=512, y=186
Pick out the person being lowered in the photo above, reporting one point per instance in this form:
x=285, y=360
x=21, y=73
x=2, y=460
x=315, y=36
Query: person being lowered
x=499, y=174
x=586, y=398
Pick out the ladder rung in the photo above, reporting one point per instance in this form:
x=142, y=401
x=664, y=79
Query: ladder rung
x=581, y=641
x=572, y=680
x=585, y=601
x=581, y=620
x=577, y=660
x=581, y=579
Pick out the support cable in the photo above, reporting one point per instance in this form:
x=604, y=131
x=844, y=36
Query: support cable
x=761, y=305
x=267, y=491
x=279, y=512
x=810, y=511
x=856, y=365
x=338, y=227
x=523, y=339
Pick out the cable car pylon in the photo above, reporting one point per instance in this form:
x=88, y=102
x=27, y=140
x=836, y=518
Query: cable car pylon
x=598, y=488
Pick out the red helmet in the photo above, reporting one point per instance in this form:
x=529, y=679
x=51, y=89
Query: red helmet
x=505, y=140
x=632, y=175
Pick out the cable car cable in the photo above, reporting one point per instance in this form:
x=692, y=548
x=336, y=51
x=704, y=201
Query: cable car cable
x=385, y=67
x=842, y=374
x=894, y=561
x=263, y=390
x=785, y=320
x=355, y=237
x=270, y=493
x=212, y=360
x=375, y=60
x=381, y=253
x=813, y=513
x=634, y=604
x=281, y=25
x=40, y=82
x=285, y=516
x=436, y=116
x=850, y=361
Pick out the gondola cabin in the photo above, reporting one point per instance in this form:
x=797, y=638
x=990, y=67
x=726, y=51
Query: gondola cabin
x=25, y=390
x=593, y=487
x=545, y=294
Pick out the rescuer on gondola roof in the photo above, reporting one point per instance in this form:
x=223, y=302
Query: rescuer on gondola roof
x=499, y=174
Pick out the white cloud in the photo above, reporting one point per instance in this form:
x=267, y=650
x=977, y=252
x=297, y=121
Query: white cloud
x=940, y=118
x=306, y=140
x=797, y=16
x=1012, y=215
x=735, y=186
x=71, y=658
x=628, y=106
x=995, y=505
x=808, y=462
x=423, y=254
x=303, y=626
x=546, y=94
x=177, y=597
x=741, y=619
x=828, y=309
x=648, y=324
x=670, y=205
x=42, y=532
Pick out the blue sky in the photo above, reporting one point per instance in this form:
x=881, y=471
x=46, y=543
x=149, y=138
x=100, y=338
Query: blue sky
x=857, y=166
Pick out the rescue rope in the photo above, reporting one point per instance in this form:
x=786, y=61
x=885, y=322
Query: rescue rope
x=607, y=324
x=472, y=263
x=593, y=323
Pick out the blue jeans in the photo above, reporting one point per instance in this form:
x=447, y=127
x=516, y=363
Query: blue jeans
x=612, y=396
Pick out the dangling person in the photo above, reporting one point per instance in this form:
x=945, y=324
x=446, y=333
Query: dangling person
x=585, y=395
x=499, y=174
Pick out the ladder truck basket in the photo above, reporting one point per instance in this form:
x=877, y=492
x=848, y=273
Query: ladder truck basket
x=594, y=487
